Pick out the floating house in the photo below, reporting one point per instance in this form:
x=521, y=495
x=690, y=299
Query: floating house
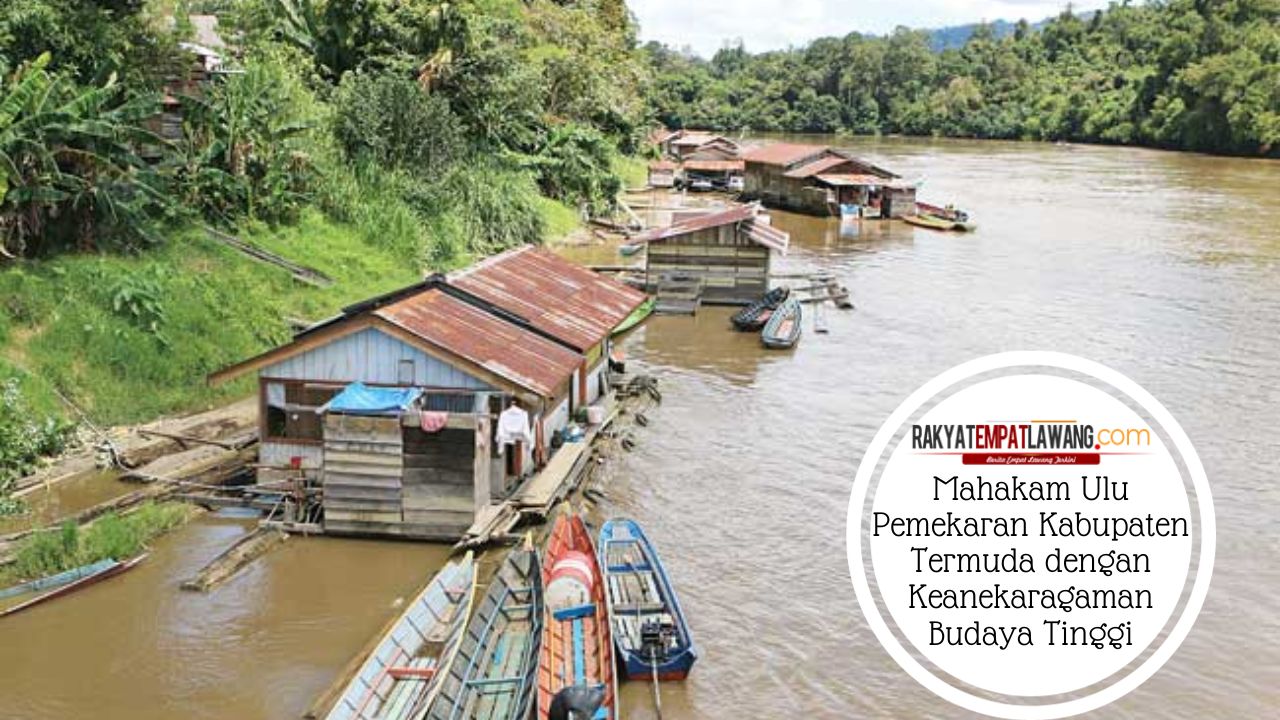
x=392, y=407
x=690, y=156
x=817, y=180
x=729, y=251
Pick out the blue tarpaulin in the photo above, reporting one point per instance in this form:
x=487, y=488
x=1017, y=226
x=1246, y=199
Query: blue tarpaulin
x=360, y=399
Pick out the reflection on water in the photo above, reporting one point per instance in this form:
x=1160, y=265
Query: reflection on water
x=1161, y=265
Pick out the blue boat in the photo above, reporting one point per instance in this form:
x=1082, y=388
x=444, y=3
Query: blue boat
x=649, y=628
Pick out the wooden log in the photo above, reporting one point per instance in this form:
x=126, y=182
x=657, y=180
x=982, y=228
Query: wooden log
x=244, y=551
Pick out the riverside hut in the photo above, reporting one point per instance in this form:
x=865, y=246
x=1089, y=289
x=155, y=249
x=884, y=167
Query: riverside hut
x=815, y=180
x=392, y=408
x=729, y=251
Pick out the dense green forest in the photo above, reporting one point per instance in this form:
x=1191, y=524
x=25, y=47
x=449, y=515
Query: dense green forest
x=1186, y=74
x=371, y=139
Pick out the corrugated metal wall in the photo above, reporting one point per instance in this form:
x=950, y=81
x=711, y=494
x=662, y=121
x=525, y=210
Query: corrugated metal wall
x=372, y=356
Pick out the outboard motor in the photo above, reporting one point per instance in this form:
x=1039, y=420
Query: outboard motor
x=656, y=638
x=577, y=702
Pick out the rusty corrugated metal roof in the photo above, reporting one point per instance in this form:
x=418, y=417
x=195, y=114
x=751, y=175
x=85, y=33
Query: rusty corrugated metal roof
x=663, y=165
x=714, y=165
x=705, y=221
x=577, y=306
x=507, y=350
x=754, y=226
x=767, y=235
x=852, y=179
x=818, y=166
x=782, y=153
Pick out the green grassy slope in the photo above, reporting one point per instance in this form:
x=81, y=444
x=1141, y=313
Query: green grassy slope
x=129, y=338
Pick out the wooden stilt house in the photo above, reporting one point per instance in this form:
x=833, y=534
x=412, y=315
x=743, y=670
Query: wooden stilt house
x=390, y=407
x=729, y=251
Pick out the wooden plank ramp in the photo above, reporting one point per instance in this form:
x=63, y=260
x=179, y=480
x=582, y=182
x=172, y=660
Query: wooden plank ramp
x=301, y=273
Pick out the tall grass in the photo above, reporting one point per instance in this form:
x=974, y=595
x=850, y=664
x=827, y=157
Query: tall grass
x=113, y=536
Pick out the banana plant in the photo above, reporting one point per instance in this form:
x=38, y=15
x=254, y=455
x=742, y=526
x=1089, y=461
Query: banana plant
x=69, y=173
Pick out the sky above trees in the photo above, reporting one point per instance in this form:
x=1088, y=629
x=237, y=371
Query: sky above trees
x=776, y=24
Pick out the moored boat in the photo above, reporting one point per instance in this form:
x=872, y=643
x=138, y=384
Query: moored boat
x=753, y=317
x=650, y=631
x=57, y=580
x=782, y=332
x=401, y=676
x=101, y=573
x=941, y=218
x=629, y=249
x=576, y=662
x=492, y=676
x=637, y=316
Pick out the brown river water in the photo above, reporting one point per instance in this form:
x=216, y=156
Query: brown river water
x=1164, y=266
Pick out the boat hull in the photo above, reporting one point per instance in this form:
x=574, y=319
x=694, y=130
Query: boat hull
x=638, y=669
x=631, y=564
x=577, y=643
x=86, y=581
x=783, y=330
x=394, y=681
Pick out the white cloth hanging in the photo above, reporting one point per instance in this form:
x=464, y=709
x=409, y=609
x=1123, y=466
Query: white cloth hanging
x=513, y=426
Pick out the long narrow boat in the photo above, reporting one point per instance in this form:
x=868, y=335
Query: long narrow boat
x=492, y=677
x=57, y=580
x=637, y=316
x=111, y=570
x=753, y=317
x=783, y=330
x=577, y=649
x=401, y=676
x=938, y=218
x=650, y=631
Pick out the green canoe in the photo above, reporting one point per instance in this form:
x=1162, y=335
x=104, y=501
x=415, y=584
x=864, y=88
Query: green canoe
x=637, y=316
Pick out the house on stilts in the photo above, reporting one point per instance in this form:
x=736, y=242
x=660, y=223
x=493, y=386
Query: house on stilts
x=728, y=252
x=390, y=411
x=817, y=180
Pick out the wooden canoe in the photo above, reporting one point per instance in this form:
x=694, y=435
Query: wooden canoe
x=637, y=316
x=492, y=677
x=640, y=594
x=111, y=570
x=577, y=649
x=57, y=580
x=783, y=330
x=401, y=676
x=754, y=316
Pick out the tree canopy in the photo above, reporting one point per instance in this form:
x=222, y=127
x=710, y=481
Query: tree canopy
x=1186, y=74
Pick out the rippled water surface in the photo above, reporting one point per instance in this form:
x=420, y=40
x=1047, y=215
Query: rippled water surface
x=1164, y=266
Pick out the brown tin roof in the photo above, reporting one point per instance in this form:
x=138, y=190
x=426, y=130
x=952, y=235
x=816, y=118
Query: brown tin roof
x=714, y=165
x=754, y=228
x=577, y=306
x=818, y=166
x=474, y=334
x=782, y=154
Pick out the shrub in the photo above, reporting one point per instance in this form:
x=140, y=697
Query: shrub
x=23, y=440
x=112, y=536
x=387, y=119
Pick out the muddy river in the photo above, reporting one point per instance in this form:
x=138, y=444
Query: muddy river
x=1164, y=266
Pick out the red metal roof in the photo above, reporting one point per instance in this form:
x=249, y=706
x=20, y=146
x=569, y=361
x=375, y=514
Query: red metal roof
x=782, y=153
x=575, y=305
x=818, y=166
x=854, y=179
x=714, y=165
x=662, y=165
x=705, y=221
x=522, y=357
x=696, y=138
x=753, y=227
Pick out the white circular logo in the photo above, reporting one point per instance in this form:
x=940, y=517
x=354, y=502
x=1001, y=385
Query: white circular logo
x=1030, y=535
